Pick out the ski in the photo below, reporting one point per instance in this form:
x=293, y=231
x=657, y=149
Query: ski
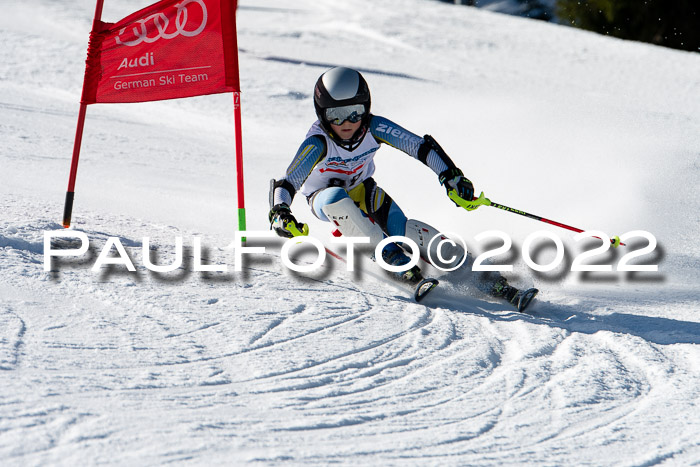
x=423, y=288
x=520, y=299
x=524, y=298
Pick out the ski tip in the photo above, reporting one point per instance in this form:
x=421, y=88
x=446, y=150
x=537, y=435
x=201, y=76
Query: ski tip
x=423, y=288
x=526, y=297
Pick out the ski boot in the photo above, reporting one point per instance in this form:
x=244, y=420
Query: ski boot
x=519, y=299
x=394, y=255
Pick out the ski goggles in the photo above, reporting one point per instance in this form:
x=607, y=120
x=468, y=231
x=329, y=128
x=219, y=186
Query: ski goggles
x=353, y=113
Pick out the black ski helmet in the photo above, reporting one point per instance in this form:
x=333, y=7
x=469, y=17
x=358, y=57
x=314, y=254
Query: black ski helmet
x=339, y=87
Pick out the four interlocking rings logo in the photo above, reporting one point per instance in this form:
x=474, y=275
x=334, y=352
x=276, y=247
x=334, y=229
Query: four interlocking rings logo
x=161, y=22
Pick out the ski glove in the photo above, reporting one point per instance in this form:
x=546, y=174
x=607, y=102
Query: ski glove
x=457, y=186
x=284, y=223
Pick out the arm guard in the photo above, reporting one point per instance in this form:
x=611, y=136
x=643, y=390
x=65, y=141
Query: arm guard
x=281, y=192
x=431, y=154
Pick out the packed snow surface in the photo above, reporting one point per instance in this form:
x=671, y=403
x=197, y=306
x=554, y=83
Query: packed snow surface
x=268, y=366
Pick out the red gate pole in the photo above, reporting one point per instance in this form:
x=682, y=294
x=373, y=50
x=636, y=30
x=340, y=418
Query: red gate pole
x=239, y=161
x=70, y=193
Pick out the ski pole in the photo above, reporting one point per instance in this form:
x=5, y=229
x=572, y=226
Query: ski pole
x=483, y=201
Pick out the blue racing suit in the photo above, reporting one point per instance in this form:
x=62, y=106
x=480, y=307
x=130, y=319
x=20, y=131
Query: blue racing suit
x=325, y=172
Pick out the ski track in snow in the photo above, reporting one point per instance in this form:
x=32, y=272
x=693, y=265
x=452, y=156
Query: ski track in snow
x=393, y=379
x=269, y=367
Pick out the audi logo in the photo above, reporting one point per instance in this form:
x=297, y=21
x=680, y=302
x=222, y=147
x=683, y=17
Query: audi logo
x=161, y=22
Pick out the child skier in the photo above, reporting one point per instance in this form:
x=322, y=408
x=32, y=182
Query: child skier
x=333, y=169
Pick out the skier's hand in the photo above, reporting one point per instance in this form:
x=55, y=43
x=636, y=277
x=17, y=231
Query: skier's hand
x=457, y=186
x=284, y=224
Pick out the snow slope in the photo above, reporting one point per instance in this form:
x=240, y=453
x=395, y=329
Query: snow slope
x=270, y=367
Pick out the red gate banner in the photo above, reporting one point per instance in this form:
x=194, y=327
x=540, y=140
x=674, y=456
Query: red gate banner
x=171, y=49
